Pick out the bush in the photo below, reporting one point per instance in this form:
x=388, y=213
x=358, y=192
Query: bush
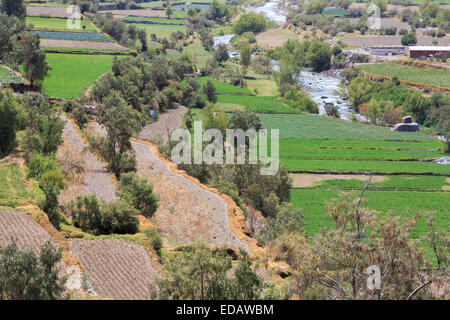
x=332, y=110
x=409, y=39
x=138, y=193
x=103, y=218
x=250, y=22
x=9, y=122
x=155, y=239
x=297, y=98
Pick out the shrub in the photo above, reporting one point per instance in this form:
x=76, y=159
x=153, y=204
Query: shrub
x=332, y=110
x=250, y=22
x=103, y=218
x=155, y=239
x=409, y=39
x=138, y=193
x=297, y=98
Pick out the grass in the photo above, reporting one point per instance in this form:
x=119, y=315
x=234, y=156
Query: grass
x=198, y=53
x=264, y=87
x=366, y=166
x=72, y=73
x=409, y=73
x=221, y=30
x=258, y=104
x=13, y=188
x=7, y=76
x=57, y=24
x=313, y=202
x=225, y=88
x=320, y=127
x=162, y=31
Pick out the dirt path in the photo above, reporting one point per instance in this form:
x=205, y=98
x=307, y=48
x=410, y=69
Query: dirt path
x=186, y=211
x=166, y=124
x=117, y=268
x=95, y=179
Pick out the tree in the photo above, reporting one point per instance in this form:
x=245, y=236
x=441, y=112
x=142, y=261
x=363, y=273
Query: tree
x=250, y=22
x=23, y=276
x=14, y=8
x=35, y=66
x=245, y=55
x=315, y=7
x=440, y=117
x=319, y=56
x=221, y=53
x=121, y=122
x=373, y=110
x=139, y=193
x=9, y=121
x=200, y=273
x=409, y=39
x=245, y=121
x=209, y=89
x=169, y=10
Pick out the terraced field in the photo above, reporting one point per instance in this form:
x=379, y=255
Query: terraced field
x=58, y=24
x=162, y=31
x=71, y=73
x=8, y=76
x=225, y=88
x=65, y=35
x=256, y=103
x=117, y=268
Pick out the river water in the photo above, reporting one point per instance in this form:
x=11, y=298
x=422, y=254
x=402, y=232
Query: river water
x=320, y=86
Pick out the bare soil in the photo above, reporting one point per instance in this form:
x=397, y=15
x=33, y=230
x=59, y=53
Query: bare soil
x=149, y=13
x=55, y=12
x=95, y=178
x=186, y=211
x=274, y=37
x=22, y=227
x=166, y=124
x=300, y=180
x=80, y=44
x=118, y=269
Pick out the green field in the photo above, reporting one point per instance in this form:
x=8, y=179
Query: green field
x=13, y=189
x=7, y=76
x=198, y=53
x=257, y=103
x=161, y=31
x=158, y=20
x=313, y=202
x=225, y=88
x=57, y=24
x=414, y=74
x=315, y=126
x=72, y=73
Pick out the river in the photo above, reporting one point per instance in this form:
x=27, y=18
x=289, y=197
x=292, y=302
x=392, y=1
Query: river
x=320, y=86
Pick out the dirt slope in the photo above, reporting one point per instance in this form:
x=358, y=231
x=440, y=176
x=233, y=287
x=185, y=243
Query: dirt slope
x=117, y=268
x=95, y=179
x=22, y=227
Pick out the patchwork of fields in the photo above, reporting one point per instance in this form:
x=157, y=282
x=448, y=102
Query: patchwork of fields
x=8, y=76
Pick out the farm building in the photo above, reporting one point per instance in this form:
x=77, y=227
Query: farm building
x=427, y=51
x=386, y=50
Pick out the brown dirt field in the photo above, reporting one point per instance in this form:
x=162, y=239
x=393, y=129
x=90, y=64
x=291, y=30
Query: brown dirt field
x=80, y=44
x=274, y=37
x=118, y=269
x=21, y=226
x=166, y=124
x=56, y=12
x=300, y=180
x=95, y=179
x=389, y=41
x=186, y=211
x=148, y=13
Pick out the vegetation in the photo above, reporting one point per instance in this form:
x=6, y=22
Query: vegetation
x=25, y=276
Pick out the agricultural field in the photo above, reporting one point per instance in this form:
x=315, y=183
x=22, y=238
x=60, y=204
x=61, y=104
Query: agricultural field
x=319, y=127
x=66, y=45
x=409, y=73
x=59, y=11
x=198, y=53
x=58, y=24
x=13, y=188
x=255, y=103
x=367, y=40
x=225, y=88
x=160, y=30
x=156, y=20
x=71, y=73
x=8, y=76
x=79, y=36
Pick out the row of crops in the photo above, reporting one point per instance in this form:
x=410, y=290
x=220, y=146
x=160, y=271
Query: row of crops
x=64, y=35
